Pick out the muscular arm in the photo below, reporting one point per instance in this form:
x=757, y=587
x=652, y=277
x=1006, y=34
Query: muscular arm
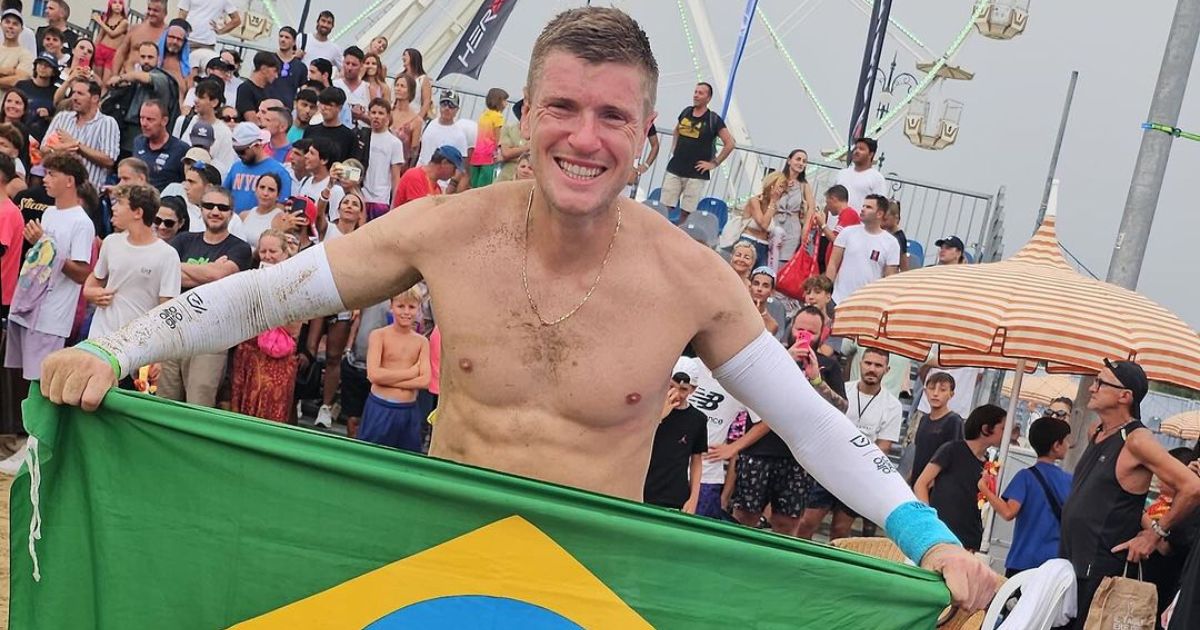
x=728, y=145
x=194, y=275
x=1151, y=454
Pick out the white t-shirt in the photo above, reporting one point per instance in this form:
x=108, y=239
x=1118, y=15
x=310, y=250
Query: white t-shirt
x=327, y=49
x=878, y=416
x=222, y=149
x=965, y=379
x=438, y=135
x=73, y=234
x=196, y=218
x=864, y=260
x=201, y=14
x=312, y=189
x=231, y=87
x=139, y=275
x=255, y=224
x=360, y=96
x=386, y=150
x=861, y=183
x=721, y=410
x=471, y=128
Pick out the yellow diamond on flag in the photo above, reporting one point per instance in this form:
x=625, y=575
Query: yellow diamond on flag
x=508, y=572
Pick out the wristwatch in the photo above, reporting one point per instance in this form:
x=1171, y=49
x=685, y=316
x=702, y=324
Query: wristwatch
x=1157, y=529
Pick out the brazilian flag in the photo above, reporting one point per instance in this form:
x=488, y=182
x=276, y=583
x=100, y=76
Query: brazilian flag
x=153, y=514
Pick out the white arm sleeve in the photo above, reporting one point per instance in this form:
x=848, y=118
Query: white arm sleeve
x=764, y=377
x=218, y=315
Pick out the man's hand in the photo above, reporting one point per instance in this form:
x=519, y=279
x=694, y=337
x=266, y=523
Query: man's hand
x=812, y=369
x=100, y=296
x=1139, y=547
x=76, y=377
x=689, y=506
x=670, y=403
x=721, y=453
x=33, y=231
x=972, y=584
x=704, y=166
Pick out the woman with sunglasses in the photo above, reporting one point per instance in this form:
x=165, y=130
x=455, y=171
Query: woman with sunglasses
x=258, y=219
x=1061, y=408
x=229, y=116
x=172, y=217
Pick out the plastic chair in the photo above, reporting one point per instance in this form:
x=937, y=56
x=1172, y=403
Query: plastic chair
x=657, y=206
x=707, y=221
x=914, y=262
x=702, y=233
x=1045, y=602
x=655, y=195
x=717, y=207
x=673, y=215
x=916, y=250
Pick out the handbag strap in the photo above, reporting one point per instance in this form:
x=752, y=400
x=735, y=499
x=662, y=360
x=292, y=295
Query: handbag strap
x=1125, y=571
x=1051, y=498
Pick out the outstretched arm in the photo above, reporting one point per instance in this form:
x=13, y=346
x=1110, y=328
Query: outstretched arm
x=321, y=280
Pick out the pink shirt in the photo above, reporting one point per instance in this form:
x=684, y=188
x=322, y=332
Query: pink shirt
x=12, y=237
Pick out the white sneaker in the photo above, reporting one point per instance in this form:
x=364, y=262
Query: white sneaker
x=11, y=465
x=324, y=417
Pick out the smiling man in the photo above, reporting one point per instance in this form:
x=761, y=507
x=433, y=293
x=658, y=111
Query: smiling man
x=568, y=385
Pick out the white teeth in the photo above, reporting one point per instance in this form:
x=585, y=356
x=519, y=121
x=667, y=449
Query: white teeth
x=579, y=172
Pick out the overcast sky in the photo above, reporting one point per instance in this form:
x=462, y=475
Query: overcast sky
x=1011, y=112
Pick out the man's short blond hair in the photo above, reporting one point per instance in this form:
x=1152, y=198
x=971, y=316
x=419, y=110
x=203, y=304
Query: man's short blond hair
x=596, y=35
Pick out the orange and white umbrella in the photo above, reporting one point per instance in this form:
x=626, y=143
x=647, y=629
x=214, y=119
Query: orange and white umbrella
x=1185, y=425
x=1042, y=388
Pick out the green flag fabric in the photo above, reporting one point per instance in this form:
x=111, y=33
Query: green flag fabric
x=154, y=514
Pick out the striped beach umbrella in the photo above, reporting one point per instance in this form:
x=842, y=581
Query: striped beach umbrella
x=1042, y=388
x=1185, y=425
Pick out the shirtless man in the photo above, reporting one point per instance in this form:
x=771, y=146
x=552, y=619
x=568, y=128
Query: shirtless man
x=555, y=346
x=149, y=29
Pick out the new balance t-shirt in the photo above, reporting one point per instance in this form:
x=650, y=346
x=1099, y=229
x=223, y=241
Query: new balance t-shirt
x=721, y=409
x=682, y=434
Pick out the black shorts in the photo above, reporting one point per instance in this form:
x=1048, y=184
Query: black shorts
x=819, y=497
x=778, y=481
x=355, y=388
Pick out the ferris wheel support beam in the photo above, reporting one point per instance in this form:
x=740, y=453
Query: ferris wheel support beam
x=396, y=22
x=440, y=41
x=712, y=52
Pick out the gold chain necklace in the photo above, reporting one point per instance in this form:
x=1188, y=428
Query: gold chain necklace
x=525, y=269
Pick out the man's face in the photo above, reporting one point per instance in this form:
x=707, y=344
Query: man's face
x=53, y=12
x=52, y=43
x=266, y=105
x=444, y=170
x=305, y=112
x=57, y=184
x=870, y=212
x=127, y=176
x=228, y=58
x=817, y=298
x=43, y=71
x=446, y=112
x=761, y=287
x=351, y=67
x=811, y=323
x=193, y=185
x=217, y=211
x=938, y=394
x=155, y=12
x=270, y=73
x=1108, y=393
x=154, y=125
x=861, y=155
x=205, y=104
x=378, y=117
x=586, y=124
x=315, y=75
x=11, y=27
x=330, y=112
x=324, y=25
x=299, y=161
x=872, y=368
x=701, y=96
x=312, y=160
x=286, y=41
x=834, y=205
x=682, y=390
x=82, y=101
x=889, y=220
x=175, y=37
x=122, y=214
x=148, y=57
x=249, y=155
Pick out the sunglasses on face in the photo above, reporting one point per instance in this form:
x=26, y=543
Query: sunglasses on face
x=212, y=205
x=1103, y=383
x=167, y=223
x=229, y=118
x=1058, y=414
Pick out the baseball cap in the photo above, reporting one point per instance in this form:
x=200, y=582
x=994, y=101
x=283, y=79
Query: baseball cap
x=686, y=367
x=448, y=96
x=1132, y=377
x=46, y=58
x=13, y=13
x=198, y=154
x=452, y=154
x=202, y=135
x=248, y=133
x=952, y=242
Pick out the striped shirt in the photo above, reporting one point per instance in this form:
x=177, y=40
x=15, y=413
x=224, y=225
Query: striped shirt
x=100, y=133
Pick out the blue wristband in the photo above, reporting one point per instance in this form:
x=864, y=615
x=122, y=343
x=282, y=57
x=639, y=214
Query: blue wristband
x=109, y=357
x=915, y=528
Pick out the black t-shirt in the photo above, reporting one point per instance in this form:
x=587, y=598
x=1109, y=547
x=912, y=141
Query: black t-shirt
x=342, y=136
x=931, y=435
x=193, y=249
x=165, y=163
x=291, y=75
x=249, y=96
x=697, y=142
x=771, y=445
x=682, y=434
x=33, y=203
x=955, y=494
x=39, y=98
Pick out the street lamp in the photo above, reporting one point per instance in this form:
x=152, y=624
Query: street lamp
x=888, y=86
